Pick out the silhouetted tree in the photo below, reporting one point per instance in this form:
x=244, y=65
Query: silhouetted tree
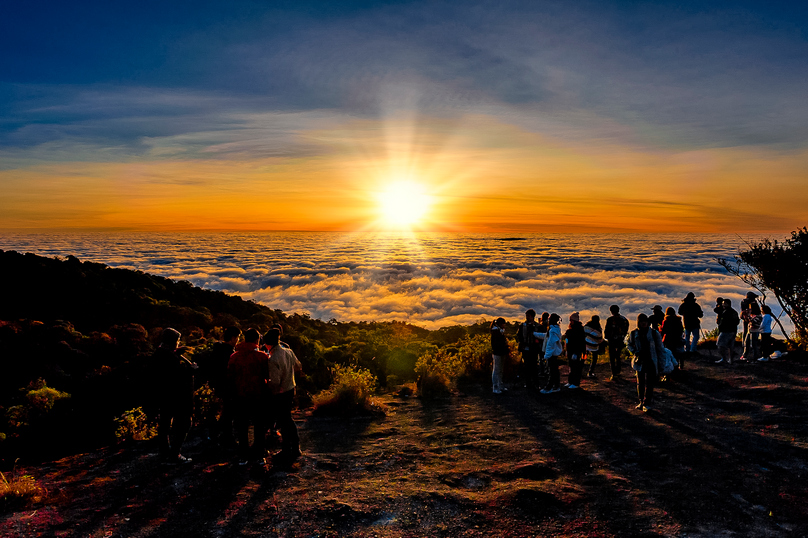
x=782, y=268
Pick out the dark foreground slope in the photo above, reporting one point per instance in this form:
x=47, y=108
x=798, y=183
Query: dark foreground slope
x=724, y=454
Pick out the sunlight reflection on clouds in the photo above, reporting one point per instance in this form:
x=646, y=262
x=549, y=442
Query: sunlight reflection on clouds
x=431, y=280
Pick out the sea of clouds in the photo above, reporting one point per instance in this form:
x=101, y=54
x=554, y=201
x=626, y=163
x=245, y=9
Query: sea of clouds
x=431, y=280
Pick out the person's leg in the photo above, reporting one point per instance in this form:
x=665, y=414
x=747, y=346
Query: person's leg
x=614, y=360
x=691, y=340
x=164, y=430
x=574, y=377
x=641, y=388
x=555, y=373
x=765, y=345
x=242, y=424
x=290, y=445
x=593, y=360
x=179, y=429
x=755, y=346
x=496, y=374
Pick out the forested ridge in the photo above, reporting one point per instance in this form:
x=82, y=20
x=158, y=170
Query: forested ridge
x=76, y=338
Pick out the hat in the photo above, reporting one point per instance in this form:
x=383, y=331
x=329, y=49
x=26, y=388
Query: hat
x=690, y=295
x=575, y=317
x=656, y=307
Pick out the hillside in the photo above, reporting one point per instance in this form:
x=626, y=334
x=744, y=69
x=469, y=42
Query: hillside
x=724, y=454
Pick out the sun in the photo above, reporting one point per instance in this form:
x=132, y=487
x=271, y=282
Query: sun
x=403, y=204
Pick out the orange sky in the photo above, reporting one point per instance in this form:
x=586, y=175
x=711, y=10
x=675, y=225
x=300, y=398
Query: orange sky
x=479, y=175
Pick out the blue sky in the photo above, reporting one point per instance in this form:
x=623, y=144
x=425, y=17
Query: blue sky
x=121, y=82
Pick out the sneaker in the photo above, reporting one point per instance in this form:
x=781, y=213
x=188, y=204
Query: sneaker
x=497, y=391
x=645, y=409
x=571, y=387
x=555, y=390
x=545, y=391
x=566, y=385
x=720, y=361
x=179, y=459
x=763, y=359
x=639, y=406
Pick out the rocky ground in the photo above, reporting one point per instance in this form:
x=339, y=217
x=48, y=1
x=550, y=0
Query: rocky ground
x=723, y=453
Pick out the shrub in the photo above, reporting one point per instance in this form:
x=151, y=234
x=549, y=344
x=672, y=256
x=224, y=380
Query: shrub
x=350, y=393
x=19, y=490
x=134, y=425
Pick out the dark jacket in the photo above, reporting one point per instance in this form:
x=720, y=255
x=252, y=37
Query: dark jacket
x=499, y=344
x=216, y=366
x=728, y=321
x=576, y=339
x=528, y=342
x=671, y=331
x=175, y=378
x=616, y=329
x=691, y=311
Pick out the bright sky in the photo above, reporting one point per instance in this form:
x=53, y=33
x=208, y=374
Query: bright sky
x=472, y=116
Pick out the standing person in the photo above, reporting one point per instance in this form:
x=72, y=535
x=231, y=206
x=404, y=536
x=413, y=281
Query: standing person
x=575, y=337
x=282, y=366
x=656, y=317
x=615, y=333
x=765, y=333
x=672, y=332
x=499, y=352
x=646, y=345
x=728, y=322
x=530, y=348
x=751, y=344
x=248, y=375
x=552, y=350
x=594, y=339
x=541, y=332
x=217, y=378
x=746, y=305
x=691, y=313
x=175, y=377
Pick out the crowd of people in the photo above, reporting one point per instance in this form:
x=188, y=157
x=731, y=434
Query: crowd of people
x=662, y=342
x=254, y=378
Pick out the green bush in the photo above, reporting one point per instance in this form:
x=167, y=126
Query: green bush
x=134, y=425
x=351, y=393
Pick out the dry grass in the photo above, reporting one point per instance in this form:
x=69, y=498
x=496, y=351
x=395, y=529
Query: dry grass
x=19, y=490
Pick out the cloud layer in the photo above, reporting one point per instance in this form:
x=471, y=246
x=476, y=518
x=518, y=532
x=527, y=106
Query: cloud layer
x=431, y=280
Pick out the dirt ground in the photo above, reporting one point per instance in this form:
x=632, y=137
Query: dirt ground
x=723, y=453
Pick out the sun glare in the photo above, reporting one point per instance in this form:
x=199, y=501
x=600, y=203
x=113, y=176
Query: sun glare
x=403, y=204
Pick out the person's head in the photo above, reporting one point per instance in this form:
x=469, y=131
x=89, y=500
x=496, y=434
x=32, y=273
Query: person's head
x=766, y=309
x=277, y=326
x=575, y=317
x=657, y=309
x=614, y=309
x=545, y=316
x=170, y=337
x=751, y=295
x=719, y=300
x=670, y=312
x=252, y=336
x=727, y=303
x=642, y=321
x=231, y=335
x=530, y=315
x=554, y=319
x=690, y=296
x=595, y=319
x=272, y=337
